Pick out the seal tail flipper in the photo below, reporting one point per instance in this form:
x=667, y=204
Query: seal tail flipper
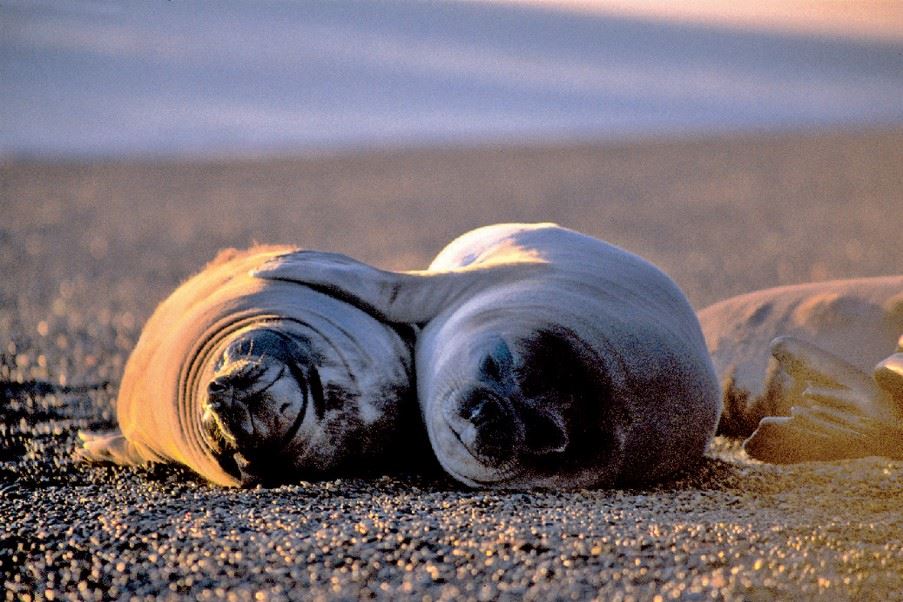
x=411, y=297
x=109, y=447
x=841, y=412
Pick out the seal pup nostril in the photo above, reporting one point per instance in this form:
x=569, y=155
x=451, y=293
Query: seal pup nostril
x=482, y=422
x=477, y=409
x=481, y=411
x=217, y=386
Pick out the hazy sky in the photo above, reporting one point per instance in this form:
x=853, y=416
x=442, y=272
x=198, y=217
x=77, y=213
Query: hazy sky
x=148, y=76
x=873, y=19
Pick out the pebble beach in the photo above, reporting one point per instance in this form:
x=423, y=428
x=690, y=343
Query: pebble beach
x=88, y=248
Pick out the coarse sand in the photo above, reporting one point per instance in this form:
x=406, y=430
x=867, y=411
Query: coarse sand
x=88, y=249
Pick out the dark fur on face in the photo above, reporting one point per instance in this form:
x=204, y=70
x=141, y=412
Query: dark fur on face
x=539, y=408
x=561, y=373
x=259, y=396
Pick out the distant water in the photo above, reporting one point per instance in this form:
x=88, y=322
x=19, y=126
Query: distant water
x=118, y=78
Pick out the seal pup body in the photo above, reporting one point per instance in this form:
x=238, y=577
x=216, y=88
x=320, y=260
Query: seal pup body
x=246, y=380
x=548, y=358
x=858, y=320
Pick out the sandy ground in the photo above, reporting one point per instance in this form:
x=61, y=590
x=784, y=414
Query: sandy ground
x=88, y=250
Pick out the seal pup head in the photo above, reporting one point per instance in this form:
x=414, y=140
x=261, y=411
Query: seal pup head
x=263, y=388
x=282, y=401
x=241, y=379
x=525, y=411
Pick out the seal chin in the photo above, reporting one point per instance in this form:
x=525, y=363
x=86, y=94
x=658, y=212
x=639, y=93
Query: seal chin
x=217, y=437
x=462, y=464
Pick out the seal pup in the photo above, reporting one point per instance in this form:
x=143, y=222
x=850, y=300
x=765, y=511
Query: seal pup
x=246, y=380
x=837, y=410
x=548, y=358
x=859, y=320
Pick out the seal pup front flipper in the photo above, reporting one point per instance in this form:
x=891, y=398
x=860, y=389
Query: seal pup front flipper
x=112, y=447
x=410, y=297
x=841, y=411
x=858, y=319
x=889, y=374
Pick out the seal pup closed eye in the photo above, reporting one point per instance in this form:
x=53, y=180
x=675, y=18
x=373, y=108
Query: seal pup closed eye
x=548, y=358
x=246, y=380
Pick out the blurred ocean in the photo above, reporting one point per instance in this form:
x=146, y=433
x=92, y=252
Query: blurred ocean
x=92, y=78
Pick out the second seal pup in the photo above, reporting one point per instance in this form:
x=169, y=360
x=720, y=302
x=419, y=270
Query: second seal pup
x=548, y=358
x=796, y=363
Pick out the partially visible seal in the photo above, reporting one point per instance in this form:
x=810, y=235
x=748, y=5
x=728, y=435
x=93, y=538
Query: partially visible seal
x=858, y=320
x=548, y=358
x=246, y=380
x=836, y=410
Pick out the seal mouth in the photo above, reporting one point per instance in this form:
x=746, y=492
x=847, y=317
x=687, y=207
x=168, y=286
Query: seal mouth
x=479, y=435
x=229, y=410
x=491, y=472
x=499, y=481
x=485, y=424
x=242, y=447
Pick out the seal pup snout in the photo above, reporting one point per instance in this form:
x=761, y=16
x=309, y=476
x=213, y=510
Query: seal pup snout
x=257, y=396
x=223, y=404
x=484, y=424
x=495, y=428
x=496, y=421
